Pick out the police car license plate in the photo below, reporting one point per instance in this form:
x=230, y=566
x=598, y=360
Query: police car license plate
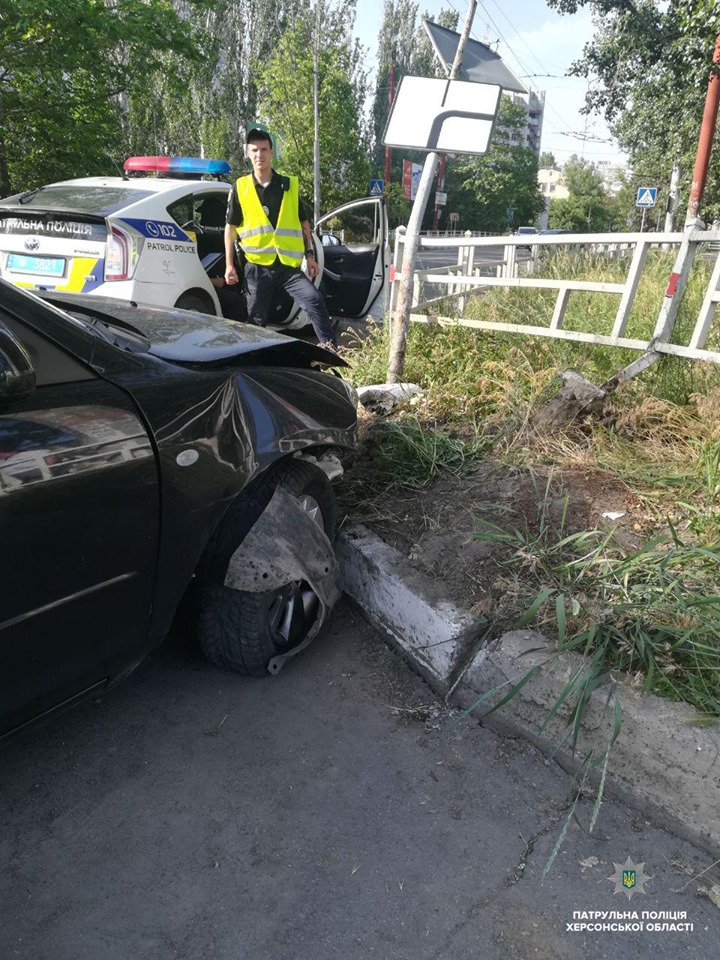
x=47, y=266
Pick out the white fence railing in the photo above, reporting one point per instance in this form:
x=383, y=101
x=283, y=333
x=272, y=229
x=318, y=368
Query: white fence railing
x=493, y=262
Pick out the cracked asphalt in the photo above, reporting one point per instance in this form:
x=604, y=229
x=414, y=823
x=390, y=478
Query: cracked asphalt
x=335, y=811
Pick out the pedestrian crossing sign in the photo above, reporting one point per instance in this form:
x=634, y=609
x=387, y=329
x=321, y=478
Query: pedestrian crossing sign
x=646, y=197
x=377, y=188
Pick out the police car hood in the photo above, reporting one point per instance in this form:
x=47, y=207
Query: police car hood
x=187, y=336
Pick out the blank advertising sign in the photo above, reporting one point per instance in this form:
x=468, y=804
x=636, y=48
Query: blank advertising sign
x=452, y=116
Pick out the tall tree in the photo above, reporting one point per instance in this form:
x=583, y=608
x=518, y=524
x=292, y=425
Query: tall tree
x=404, y=45
x=589, y=208
x=499, y=189
x=65, y=68
x=207, y=107
x=285, y=81
x=651, y=60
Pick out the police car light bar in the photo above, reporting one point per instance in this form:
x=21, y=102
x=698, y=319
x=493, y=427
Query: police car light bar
x=172, y=165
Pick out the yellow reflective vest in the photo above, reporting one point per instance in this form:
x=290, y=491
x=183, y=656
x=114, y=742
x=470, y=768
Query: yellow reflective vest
x=260, y=243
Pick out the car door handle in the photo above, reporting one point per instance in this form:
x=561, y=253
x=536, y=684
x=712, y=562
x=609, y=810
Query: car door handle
x=339, y=260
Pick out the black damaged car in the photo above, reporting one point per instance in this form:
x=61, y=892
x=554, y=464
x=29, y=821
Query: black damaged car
x=145, y=453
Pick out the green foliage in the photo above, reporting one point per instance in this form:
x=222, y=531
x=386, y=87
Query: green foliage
x=67, y=70
x=652, y=60
x=499, y=189
x=406, y=455
x=547, y=160
x=205, y=108
x=402, y=43
x=588, y=209
x=397, y=206
x=285, y=81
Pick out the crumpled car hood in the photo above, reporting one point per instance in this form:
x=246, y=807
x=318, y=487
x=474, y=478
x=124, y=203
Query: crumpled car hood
x=186, y=336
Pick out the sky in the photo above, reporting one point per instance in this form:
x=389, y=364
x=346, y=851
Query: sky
x=539, y=46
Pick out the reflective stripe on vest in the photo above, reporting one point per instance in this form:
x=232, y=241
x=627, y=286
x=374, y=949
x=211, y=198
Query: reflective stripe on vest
x=266, y=244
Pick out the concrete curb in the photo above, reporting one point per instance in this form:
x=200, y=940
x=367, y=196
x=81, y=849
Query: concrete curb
x=662, y=762
x=406, y=606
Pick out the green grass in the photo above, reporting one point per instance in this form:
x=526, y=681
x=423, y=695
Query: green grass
x=648, y=616
x=651, y=613
x=407, y=455
x=660, y=439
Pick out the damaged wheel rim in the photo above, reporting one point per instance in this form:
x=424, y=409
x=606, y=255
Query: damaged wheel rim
x=295, y=608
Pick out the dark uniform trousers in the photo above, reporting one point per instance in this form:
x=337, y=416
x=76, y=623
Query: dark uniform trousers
x=260, y=283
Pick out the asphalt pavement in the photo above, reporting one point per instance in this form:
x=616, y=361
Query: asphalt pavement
x=334, y=811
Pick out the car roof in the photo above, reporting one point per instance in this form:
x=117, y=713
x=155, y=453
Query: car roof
x=108, y=196
x=146, y=184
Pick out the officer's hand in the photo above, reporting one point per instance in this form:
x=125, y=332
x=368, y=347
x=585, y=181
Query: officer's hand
x=312, y=267
x=231, y=275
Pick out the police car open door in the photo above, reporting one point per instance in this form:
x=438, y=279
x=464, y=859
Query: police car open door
x=355, y=245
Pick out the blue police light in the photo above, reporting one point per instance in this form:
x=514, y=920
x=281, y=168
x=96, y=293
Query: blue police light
x=170, y=165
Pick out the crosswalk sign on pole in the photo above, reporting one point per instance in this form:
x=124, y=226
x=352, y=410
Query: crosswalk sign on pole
x=377, y=188
x=646, y=197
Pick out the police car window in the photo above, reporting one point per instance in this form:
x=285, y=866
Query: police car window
x=75, y=198
x=182, y=211
x=352, y=227
x=209, y=210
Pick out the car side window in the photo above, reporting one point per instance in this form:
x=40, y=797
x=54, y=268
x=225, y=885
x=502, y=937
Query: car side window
x=209, y=210
x=51, y=363
x=182, y=211
x=352, y=227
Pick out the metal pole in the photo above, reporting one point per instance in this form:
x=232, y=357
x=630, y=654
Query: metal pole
x=388, y=151
x=440, y=186
x=642, y=222
x=707, y=131
x=316, y=96
x=401, y=320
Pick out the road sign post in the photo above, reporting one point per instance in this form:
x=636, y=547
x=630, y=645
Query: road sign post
x=377, y=188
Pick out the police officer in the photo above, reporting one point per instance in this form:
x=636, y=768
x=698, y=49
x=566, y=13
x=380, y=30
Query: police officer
x=268, y=218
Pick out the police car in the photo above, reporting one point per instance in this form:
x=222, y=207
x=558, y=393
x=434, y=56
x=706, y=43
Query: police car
x=155, y=236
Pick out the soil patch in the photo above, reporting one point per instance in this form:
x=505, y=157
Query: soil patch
x=436, y=526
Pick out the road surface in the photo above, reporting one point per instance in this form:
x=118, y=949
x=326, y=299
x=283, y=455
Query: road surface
x=334, y=811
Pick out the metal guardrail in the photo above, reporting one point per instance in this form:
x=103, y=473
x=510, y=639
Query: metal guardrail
x=467, y=275
x=456, y=233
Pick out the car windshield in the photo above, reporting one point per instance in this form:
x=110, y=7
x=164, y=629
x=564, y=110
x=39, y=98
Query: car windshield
x=76, y=198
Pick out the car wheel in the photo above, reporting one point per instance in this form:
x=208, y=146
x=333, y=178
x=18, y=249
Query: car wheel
x=190, y=301
x=243, y=631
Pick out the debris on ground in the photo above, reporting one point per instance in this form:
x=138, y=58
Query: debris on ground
x=383, y=397
x=576, y=397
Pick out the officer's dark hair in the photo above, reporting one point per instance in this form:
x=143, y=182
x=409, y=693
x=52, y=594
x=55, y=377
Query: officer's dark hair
x=255, y=136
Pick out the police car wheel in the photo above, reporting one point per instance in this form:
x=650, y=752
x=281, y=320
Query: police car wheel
x=243, y=631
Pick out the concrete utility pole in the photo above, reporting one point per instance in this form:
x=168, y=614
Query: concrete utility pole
x=316, y=100
x=707, y=131
x=401, y=320
x=673, y=197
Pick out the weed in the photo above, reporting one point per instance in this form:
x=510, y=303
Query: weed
x=407, y=455
x=648, y=617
